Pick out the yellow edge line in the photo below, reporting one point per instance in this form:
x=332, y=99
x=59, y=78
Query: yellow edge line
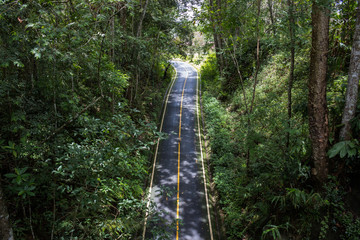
x=156, y=152
x=178, y=174
x=201, y=155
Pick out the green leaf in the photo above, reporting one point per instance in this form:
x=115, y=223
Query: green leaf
x=18, y=179
x=352, y=152
x=10, y=175
x=336, y=149
x=343, y=151
x=36, y=52
x=344, y=148
x=23, y=170
x=4, y=64
x=31, y=194
x=18, y=64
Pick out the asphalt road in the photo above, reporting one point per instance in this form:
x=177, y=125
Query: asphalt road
x=177, y=191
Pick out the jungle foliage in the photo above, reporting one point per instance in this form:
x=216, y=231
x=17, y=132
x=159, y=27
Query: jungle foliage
x=81, y=90
x=260, y=153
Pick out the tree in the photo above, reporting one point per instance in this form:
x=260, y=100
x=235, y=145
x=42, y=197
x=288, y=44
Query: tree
x=215, y=20
x=270, y=6
x=353, y=83
x=292, y=64
x=317, y=106
x=65, y=68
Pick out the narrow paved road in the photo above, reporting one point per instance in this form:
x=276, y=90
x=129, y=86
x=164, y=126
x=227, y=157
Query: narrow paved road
x=178, y=188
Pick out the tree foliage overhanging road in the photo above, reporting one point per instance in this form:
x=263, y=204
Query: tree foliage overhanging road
x=81, y=88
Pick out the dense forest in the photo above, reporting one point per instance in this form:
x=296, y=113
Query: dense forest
x=82, y=90
x=282, y=118
x=82, y=83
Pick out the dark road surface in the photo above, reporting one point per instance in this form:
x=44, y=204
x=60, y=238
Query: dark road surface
x=178, y=188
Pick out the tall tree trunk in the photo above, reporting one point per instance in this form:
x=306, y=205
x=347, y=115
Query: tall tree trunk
x=257, y=54
x=220, y=10
x=217, y=37
x=353, y=82
x=218, y=50
x=6, y=232
x=123, y=16
x=292, y=66
x=144, y=8
x=112, y=56
x=236, y=63
x=54, y=82
x=271, y=16
x=318, y=113
x=138, y=34
x=255, y=82
x=112, y=39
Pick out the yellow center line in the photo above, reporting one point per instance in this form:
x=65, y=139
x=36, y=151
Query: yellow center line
x=178, y=196
x=178, y=174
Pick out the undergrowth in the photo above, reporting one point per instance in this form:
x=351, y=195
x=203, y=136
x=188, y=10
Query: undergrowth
x=265, y=187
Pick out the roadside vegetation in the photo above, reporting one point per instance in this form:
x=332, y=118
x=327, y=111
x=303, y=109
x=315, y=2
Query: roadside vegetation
x=256, y=100
x=81, y=89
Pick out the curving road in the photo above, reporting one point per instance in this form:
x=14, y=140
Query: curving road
x=177, y=189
